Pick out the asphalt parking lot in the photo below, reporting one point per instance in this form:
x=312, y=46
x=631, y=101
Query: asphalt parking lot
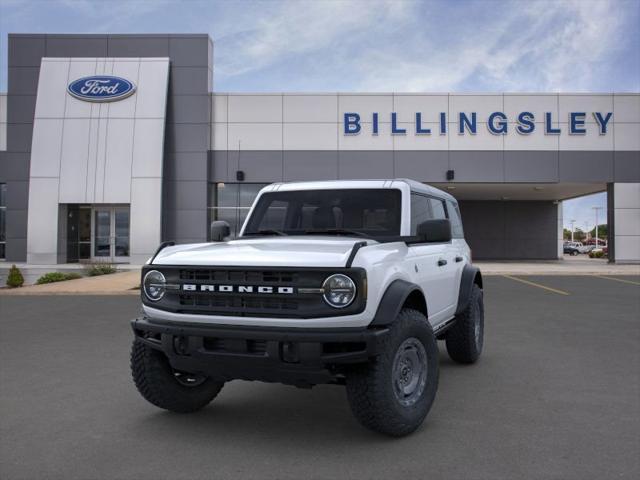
x=555, y=395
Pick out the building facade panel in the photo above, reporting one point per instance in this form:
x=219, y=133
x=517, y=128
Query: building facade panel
x=628, y=137
x=24, y=107
x=430, y=166
x=527, y=166
x=537, y=104
x=483, y=105
x=365, y=105
x=424, y=141
x=585, y=166
x=255, y=108
x=626, y=108
x=70, y=46
x=301, y=165
x=569, y=103
x=47, y=142
x=310, y=136
x=26, y=50
x=254, y=136
x=478, y=166
x=430, y=106
x=369, y=164
x=138, y=46
x=305, y=108
x=626, y=166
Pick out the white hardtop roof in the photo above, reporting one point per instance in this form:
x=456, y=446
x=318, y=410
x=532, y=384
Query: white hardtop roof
x=336, y=184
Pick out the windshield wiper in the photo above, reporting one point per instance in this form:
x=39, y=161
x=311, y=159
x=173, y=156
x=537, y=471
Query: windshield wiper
x=267, y=231
x=337, y=231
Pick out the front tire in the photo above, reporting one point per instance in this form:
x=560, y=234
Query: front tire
x=394, y=393
x=465, y=338
x=167, y=388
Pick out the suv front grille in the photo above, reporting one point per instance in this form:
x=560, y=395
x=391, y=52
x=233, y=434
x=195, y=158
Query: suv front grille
x=228, y=303
x=206, y=297
x=241, y=276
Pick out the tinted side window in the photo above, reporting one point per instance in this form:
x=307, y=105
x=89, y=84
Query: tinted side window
x=456, y=220
x=437, y=209
x=420, y=211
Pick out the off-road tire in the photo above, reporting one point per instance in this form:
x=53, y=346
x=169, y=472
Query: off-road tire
x=370, y=387
x=155, y=380
x=461, y=341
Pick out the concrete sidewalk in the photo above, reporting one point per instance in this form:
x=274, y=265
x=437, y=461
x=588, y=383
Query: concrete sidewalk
x=581, y=265
x=121, y=283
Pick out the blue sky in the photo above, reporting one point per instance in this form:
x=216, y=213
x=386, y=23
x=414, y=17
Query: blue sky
x=370, y=45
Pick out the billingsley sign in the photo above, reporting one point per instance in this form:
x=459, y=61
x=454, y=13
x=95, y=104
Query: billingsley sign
x=497, y=123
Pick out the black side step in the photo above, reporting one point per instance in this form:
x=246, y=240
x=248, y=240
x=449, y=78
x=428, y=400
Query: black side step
x=443, y=328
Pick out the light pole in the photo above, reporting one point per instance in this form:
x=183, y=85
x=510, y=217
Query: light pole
x=586, y=231
x=572, y=228
x=596, y=209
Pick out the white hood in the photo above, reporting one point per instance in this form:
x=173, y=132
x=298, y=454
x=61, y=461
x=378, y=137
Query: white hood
x=292, y=251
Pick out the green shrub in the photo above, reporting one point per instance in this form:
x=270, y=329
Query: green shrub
x=100, y=269
x=15, y=278
x=52, y=277
x=596, y=254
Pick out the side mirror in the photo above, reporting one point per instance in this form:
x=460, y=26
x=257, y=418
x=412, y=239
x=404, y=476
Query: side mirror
x=436, y=231
x=219, y=230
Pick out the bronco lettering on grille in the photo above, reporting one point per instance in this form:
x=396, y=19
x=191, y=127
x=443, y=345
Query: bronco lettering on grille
x=191, y=287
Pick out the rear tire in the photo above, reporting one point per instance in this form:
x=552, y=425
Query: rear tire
x=465, y=338
x=394, y=393
x=166, y=388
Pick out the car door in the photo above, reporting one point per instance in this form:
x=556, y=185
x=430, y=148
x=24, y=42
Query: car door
x=458, y=244
x=434, y=263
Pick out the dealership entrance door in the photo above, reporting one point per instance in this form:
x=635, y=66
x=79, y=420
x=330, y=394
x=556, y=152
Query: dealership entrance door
x=98, y=233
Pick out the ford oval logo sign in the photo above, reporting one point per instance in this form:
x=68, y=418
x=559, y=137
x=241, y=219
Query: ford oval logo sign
x=101, y=88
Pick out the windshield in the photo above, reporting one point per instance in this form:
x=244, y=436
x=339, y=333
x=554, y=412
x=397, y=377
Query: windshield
x=357, y=212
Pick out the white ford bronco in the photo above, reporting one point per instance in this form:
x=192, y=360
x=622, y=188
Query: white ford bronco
x=341, y=282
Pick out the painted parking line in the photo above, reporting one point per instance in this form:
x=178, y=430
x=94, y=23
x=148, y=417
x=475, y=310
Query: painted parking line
x=618, y=279
x=534, y=284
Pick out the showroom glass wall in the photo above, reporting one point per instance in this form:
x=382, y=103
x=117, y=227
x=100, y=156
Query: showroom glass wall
x=231, y=202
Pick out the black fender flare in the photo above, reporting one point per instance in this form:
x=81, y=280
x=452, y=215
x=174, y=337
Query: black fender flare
x=393, y=300
x=470, y=275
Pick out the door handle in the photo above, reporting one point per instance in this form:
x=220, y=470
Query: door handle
x=442, y=262
x=459, y=259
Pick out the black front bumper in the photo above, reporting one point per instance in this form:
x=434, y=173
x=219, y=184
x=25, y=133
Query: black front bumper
x=301, y=357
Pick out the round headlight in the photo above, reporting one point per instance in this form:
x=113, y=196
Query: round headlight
x=339, y=290
x=154, y=285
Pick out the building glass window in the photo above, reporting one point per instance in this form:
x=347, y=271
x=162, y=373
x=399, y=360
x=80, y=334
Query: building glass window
x=231, y=202
x=3, y=216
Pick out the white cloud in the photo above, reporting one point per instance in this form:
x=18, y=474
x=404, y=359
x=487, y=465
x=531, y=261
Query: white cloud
x=409, y=46
x=276, y=32
x=558, y=49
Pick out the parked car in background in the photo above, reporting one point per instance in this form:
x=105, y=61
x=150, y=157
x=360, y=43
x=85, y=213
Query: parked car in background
x=573, y=248
x=601, y=251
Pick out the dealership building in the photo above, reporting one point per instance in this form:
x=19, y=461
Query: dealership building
x=110, y=144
